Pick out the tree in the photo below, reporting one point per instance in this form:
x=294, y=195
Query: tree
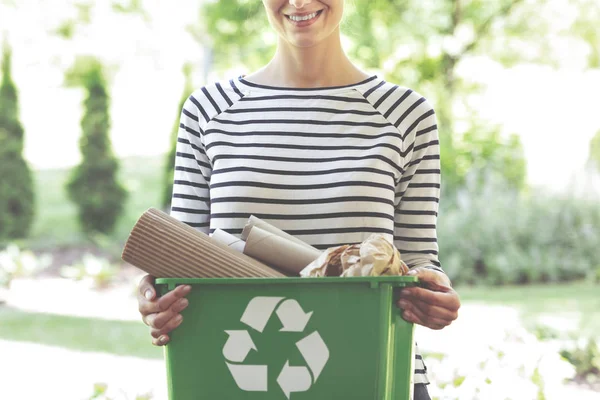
x=170, y=158
x=594, y=152
x=93, y=184
x=17, y=197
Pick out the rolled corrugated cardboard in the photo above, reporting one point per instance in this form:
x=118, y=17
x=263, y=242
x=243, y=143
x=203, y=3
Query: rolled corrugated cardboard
x=254, y=221
x=165, y=247
x=278, y=251
x=228, y=240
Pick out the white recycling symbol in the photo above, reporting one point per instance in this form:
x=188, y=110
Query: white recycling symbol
x=253, y=378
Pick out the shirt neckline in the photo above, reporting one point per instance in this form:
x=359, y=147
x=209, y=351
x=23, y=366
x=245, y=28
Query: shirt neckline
x=256, y=87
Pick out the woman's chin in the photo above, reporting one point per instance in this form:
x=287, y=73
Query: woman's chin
x=304, y=44
x=305, y=41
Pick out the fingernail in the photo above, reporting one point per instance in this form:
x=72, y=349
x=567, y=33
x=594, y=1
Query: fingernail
x=148, y=294
x=178, y=319
x=411, y=272
x=183, y=303
x=402, y=304
x=162, y=339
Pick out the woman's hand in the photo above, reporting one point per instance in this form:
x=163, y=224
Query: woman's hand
x=435, y=305
x=161, y=315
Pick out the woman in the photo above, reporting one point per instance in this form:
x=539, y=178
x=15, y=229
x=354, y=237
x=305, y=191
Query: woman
x=321, y=149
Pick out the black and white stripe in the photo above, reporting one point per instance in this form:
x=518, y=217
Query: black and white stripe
x=330, y=166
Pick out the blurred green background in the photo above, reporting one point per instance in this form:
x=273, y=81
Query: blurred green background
x=89, y=104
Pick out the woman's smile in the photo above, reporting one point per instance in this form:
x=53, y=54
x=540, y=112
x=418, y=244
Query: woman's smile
x=304, y=19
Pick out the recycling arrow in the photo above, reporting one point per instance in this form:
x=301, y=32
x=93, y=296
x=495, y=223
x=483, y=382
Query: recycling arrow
x=259, y=311
x=292, y=316
x=315, y=352
x=294, y=379
x=251, y=378
x=238, y=345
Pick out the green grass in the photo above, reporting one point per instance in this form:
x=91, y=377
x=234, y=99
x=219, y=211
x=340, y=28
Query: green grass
x=84, y=334
x=56, y=221
x=534, y=301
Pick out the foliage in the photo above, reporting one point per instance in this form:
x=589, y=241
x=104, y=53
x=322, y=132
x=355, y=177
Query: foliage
x=170, y=158
x=99, y=270
x=134, y=7
x=19, y=263
x=594, y=152
x=482, y=149
x=236, y=31
x=586, y=27
x=93, y=185
x=586, y=360
x=493, y=234
x=66, y=29
x=101, y=392
x=509, y=364
x=17, y=197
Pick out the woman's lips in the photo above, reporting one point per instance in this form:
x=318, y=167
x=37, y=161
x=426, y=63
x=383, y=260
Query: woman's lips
x=295, y=19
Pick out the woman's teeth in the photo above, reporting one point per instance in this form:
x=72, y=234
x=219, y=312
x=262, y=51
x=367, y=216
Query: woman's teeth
x=303, y=18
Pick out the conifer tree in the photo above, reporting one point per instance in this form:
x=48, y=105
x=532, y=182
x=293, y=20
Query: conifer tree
x=17, y=194
x=93, y=184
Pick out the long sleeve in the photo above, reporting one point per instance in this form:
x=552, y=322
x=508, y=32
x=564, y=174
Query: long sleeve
x=191, y=197
x=418, y=194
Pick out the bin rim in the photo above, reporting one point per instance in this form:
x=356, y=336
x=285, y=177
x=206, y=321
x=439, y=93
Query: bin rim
x=402, y=280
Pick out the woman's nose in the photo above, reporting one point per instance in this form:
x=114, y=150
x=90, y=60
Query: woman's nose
x=300, y=3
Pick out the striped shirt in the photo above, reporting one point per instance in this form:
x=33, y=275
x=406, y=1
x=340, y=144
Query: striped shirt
x=329, y=165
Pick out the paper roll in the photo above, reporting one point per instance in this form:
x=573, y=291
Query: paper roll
x=256, y=222
x=278, y=252
x=228, y=240
x=165, y=247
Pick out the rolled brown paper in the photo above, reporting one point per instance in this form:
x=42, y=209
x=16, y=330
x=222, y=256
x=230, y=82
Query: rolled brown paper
x=229, y=240
x=279, y=252
x=257, y=222
x=165, y=247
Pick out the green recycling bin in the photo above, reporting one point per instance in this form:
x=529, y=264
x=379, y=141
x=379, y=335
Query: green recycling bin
x=291, y=338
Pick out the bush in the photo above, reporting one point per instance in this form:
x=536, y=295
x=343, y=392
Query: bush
x=100, y=271
x=495, y=235
x=586, y=360
x=93, y=184
x=101, y=391
x=17, y=198
x=19, y=263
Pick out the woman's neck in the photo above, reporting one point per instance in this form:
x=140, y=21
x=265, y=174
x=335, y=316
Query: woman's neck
x=323, y=65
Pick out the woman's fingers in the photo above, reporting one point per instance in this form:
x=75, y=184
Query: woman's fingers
x=161, y=319
x=164, y=303
x=161, y=314
x=429, y=310
x=427, y=315
x=146, y=287
x=169, y=299
x=167, y=328
x=161, y=341
x=418, y=318
x=448, y=300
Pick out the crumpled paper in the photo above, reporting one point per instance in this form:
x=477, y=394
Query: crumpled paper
x=376, y=256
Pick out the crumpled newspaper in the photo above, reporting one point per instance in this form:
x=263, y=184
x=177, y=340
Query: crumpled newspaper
x=376, y=256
